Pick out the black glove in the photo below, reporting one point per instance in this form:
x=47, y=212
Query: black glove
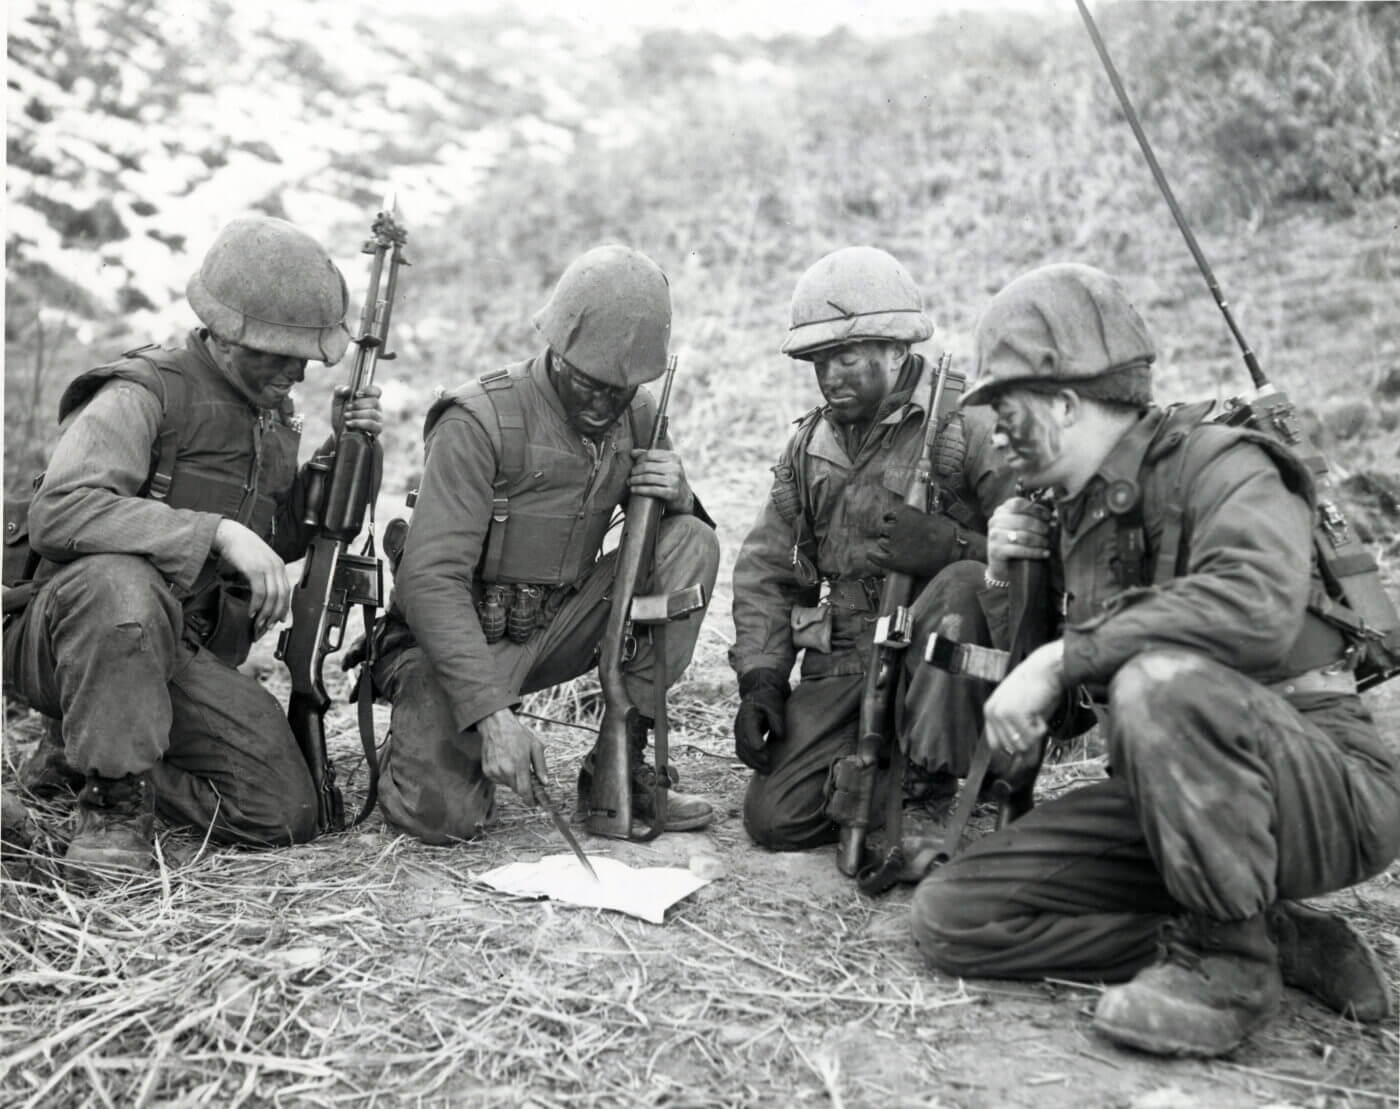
x=922, y=543
x=763, y=694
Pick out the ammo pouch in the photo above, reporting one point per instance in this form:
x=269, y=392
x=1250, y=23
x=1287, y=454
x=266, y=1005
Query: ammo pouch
x=218, y=619
x=848, y=792
x=811, y=627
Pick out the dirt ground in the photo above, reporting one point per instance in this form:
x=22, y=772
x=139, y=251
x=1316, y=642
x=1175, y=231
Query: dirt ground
x=368, y=969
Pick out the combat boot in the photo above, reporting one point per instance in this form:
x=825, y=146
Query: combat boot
x=47, y=772
x=1215, y=983
x=115, y=836
x=1321, y=954
x=685, y=812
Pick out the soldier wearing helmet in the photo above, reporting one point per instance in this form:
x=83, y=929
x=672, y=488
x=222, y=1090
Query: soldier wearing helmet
x=808, y=576
x=162, y=528
x=1246, y=773
x=503, y=587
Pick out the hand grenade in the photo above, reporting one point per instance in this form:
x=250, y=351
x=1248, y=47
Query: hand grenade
x=492, y=614
x=524, y=612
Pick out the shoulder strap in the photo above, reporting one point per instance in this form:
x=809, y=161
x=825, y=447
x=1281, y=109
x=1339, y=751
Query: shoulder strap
x=499, y=389
x=167, y=442
x=159, y=370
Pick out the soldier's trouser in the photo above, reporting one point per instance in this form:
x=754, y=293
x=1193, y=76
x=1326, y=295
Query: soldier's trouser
x=432, y=783
x=1225, y=798
x=939, y=719
x=101, y=646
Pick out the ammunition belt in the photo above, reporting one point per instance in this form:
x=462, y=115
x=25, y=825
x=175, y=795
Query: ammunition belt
x=855, y=594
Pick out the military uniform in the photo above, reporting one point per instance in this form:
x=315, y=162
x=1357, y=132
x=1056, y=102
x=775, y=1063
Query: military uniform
x=135, y=628
x=835, y=520
x=444, y=676
x=1245, y=768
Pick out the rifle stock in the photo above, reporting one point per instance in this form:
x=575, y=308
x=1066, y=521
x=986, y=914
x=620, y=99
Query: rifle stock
x=340, y=488
x=610, y=801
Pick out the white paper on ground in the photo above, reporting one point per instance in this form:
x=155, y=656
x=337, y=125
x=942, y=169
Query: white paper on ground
x=644, y=892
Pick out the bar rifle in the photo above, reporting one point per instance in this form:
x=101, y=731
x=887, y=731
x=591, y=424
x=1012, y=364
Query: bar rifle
x=341, y=485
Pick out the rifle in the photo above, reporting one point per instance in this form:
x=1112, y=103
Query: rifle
x=341, y=484
x=1033, y=624
x=610, y=800
x=853, y=795
x=1366, y=611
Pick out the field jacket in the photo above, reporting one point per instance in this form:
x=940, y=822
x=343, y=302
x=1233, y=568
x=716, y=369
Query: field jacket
x=568, y=490
x=848, y=489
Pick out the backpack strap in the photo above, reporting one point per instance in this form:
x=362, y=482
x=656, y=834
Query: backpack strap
x=499, y=389
x=173, y=405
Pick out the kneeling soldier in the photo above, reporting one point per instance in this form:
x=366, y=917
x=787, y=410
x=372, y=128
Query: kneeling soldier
x=1246, y=772
x=164, y=520
x=501, y=589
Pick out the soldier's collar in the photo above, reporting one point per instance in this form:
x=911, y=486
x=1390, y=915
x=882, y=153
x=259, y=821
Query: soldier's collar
x=1119, y=471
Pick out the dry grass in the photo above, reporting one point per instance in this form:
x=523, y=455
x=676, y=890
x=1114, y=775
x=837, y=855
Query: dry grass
x=368, y=969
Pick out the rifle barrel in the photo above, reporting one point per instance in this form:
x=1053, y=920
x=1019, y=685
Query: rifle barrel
x=1256, y=373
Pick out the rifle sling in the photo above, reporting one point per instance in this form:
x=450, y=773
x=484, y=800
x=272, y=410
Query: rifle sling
x=364, y=700
x=967, y=801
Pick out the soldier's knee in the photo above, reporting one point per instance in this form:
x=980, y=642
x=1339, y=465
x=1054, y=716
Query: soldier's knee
x=113, y=590
x=295, y=820
x=943, y=910
x=690, y=535
x=778, y=828
x=1147, y=695
x=952, y=591
x=425, y=814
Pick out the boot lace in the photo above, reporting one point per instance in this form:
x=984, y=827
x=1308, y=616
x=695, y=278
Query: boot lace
x=1174, y=947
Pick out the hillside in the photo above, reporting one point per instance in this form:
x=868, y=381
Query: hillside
x=368, y=969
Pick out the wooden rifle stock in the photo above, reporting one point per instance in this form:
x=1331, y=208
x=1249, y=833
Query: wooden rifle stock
x=610, y=800
x=340, y=488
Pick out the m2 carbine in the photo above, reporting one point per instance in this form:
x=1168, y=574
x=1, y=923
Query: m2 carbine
x=341, y=486
x=854, y=775
x=1357, y=601
x=610, y=803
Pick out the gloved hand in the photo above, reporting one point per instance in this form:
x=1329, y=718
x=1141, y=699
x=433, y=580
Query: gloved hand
x=922, y=543
x=763, y=694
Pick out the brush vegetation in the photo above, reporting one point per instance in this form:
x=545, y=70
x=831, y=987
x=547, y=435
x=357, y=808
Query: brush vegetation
x=368, y=969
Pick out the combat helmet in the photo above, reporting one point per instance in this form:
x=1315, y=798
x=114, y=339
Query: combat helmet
x=855, y=293
x=1061, y=324
x=610, y=316
x=267, y=284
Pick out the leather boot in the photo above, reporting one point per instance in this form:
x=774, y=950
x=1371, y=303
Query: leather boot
x=685, y=812
x=47, y=772
x=115, y=835
x=1215, y=983
x=1321, y=954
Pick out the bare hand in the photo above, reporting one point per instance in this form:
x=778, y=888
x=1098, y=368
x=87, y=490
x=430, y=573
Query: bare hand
x=362, y=414
x=659, y=474
x=509, y=751
x=1015, y=714
x=270, y=587
x=1019, y=528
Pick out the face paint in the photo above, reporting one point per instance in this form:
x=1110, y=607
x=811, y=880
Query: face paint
x=265, y=378
x=590, y=405
x=1027, y=433
x=856, y=378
